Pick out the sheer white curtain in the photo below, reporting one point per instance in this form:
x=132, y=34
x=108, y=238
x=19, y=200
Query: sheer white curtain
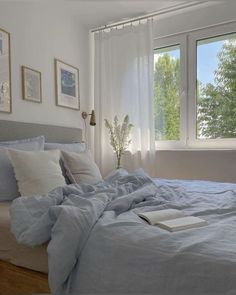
x=123, y=84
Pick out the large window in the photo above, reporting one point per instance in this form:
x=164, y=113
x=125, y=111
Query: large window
x=195, y=89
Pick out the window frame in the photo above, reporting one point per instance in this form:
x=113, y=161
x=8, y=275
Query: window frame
x=188, y=96
x=181, y=41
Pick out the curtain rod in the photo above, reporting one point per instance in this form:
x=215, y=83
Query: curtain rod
x=150, y=15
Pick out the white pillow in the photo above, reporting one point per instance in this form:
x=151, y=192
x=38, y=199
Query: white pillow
x=8, y=184
x=81, y=168
x=36, y=172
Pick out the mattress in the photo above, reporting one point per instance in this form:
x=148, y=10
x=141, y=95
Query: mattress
x=34, y=258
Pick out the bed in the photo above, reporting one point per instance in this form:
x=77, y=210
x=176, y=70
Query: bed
x=110, y=250
x=110, y=246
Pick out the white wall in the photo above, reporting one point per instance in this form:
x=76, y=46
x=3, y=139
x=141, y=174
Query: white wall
x=39, y=33
x=217, y=165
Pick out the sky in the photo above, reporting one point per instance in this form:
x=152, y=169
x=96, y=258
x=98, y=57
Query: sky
x=207, y=60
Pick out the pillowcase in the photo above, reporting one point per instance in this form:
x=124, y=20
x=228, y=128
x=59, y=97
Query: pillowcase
x=36, y=172
x=35, y=143
x=76, y=147
x=8, y=184
x=81, y=168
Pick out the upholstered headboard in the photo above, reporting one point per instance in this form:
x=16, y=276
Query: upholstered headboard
x=11, y=130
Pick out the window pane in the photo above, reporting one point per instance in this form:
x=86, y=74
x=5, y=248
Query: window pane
x=166, y=93
x=216, y=87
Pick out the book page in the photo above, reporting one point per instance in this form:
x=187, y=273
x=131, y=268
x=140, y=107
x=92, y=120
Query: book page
x=182, y=223
x=153, y=217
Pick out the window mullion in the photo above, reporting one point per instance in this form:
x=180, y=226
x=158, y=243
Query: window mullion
x=192, y=70
x=183, y=90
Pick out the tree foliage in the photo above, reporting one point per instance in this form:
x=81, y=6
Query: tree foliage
x=217, y=102
x=166, y=98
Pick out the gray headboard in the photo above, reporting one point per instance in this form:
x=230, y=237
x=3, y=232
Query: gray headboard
x=11, y=130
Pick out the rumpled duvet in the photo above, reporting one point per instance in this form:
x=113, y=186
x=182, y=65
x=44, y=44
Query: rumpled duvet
x=99, y=245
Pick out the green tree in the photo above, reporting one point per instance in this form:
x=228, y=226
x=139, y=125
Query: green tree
x=166, y=98
x=217, y=103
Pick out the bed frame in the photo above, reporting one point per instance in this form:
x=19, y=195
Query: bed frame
x=12, y=130
x=16, y=280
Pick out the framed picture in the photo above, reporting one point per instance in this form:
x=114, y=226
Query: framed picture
x=67, y=85
x=5, y=72
x=31, y=85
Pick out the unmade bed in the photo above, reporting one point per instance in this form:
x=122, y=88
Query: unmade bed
x=110, y=246
x=97, y=244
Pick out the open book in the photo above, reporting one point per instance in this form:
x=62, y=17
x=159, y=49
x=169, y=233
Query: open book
x=172, y=219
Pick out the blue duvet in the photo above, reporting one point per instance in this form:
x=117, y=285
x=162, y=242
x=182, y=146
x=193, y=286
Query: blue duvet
x=98, y=244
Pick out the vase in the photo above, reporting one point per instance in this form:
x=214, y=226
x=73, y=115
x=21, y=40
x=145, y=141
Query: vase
x=118, y=163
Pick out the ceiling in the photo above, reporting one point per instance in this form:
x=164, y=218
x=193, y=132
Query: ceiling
x=96, y=13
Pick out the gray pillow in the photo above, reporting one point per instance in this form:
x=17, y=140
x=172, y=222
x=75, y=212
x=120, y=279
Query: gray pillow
x=81, y=168
x=76, y=147
x=8, y=184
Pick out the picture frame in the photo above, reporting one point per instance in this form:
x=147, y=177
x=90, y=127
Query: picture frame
x=5, y=72
x=67, y=85
x=31, y=84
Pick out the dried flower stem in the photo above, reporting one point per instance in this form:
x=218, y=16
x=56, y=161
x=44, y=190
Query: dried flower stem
x=119, y=136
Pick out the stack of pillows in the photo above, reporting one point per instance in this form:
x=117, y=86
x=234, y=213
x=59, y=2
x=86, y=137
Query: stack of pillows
x=32, y=167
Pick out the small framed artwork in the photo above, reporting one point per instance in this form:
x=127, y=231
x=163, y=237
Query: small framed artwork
x=67, y=85
x=31, y=85
x=5, y=72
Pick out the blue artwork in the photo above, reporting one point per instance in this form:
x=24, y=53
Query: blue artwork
x=68, y=83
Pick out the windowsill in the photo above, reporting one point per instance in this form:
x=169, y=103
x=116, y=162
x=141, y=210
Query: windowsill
x=197, y=145
x=194, y=149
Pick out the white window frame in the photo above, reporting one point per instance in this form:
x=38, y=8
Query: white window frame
x=181, y=41
x=192, y=141
x=188, y=76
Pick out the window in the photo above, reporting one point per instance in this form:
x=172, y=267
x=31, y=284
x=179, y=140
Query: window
x=216, y=87
x=195, y=89
x=167, y=93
